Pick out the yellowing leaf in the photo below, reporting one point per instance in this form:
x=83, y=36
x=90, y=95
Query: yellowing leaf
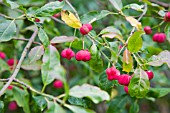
x=127, y=61
x=134, y=22
x=70, y=19
x=114, y=35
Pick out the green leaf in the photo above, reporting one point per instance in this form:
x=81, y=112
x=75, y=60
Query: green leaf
x=40, y=102
x=134, y=22
x=110, y=29
x=26, y=65
x=117, y=4
x=43, y=37
x=158, y=92
x=3, y=66
x=153, y=51
x=96, y=63
x=161, y=58
x=7, y=30
x=94, y=93
x=50, y=9
x=127, y=61
x=167, y=31
x=1, y=107
x=21, y=96
x=62, y=39
x=139, y=84
x=134, y=6
x=134, y=108
x=12, y=4
x=77, y=44
x=35, y=53
x=54, y=108
x=114, y=52
x=117, y=105
x=135, y=42
x=94, y=16
x=77, y=109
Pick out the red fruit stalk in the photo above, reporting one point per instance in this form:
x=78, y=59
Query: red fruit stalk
x=112, y=73
x=85, y=29
x=67, y=53
x=124, y=79
x=148, y=30
x=150, y=74
x=167, y=17
x=159, y=37
x=83, y=55
x=58, y=84
x=2, y=55
x=12, y=106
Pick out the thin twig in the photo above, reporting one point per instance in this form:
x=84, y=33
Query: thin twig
x=73, y=9
x=57, y=20
x=161, y=3
x=20, y=62
x=24, y=39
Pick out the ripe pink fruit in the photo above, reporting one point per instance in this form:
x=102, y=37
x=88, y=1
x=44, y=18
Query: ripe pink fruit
x=58, y=84
x=159, y=37
x=10, y=87
x=67, y=53
x=37, y=20
x=2, y=55
x=83, y=55
x=150, y=74
x=56, y=15
x=60, y=0
x=167, y=17
x=147, y=29
x=11, y=62
x=85, y=29
x=12, y=106
x=124, y=79
x=126, y=89
x=112, y=73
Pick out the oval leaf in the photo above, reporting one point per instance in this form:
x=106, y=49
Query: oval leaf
x=117, y=4
x=134, y=22
x=62, y=39
x=54, y=108
x=127, y=61
x=43, y=37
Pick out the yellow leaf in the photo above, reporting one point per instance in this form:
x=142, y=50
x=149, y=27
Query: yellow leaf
x=70, y=19
x=127, y=61
x=134, y=22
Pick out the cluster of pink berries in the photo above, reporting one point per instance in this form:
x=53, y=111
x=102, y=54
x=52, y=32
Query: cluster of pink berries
x=158, y=37
x=124, y=79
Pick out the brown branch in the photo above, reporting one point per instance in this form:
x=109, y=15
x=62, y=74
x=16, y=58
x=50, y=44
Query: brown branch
x=24, y=39
x=20, y=62
x=161, y=3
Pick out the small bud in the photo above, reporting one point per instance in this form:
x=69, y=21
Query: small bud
x=2, y=55
x=10, y=87
x=126, y=89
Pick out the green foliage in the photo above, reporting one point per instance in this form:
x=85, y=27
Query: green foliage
x=54, y=107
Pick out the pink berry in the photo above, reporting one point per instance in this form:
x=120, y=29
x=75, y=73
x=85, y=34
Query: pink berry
x=56, y=15
x=112, y=73
x=67, y=53
x=58, y=84
x=147, y=29
x=83, y=55
x=124, y=79
x=159, y=37
x=126, y=89
x=12, y=106
x=60, y=0
x=2, y=55
x=11, y=62
x=85, y=29
x=167, y=17
x=37, y=20
x=150, y=74
x=10, y=87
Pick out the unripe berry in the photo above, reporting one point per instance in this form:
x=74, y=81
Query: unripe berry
x=126, y=89
x=2, y=55
x=12, y=106
x=58, y=84
x=167, y=17
x=147, y=29
x=67, y=53
x=10, y=87
x=85, y=29
x=112, y=73
x=150, y=74
x=159, y=37
x=56, y=15
x=83, y=55
x=37, y=20
x=124, y=79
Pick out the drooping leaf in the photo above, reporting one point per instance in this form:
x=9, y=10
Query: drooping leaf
x=53, y=107
x=167, y=31
x=3, y=66
x=1, y=107
x=50, y=9
x=62, y=39
x=40, y=102
x=70, y=19
x=127, y=61
x=96, y=63
x=134, y=6
x=36, y=53
x=94, y=93
x=158, y=92
x=134, y=108
x=117, y=4
x=135, y=42
x=7, y=30
x=43, y=37
x=94, y=16
x=78, y=109
x=22, y=98
x=139, y=84
x=161, y=58
x=134, y=22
